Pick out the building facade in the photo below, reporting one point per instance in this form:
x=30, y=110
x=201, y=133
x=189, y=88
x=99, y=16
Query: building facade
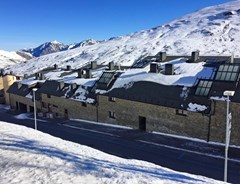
x=142, y=97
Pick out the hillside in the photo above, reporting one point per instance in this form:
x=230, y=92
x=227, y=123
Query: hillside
x=213, y=30
x=9, y=58
x=55, y=46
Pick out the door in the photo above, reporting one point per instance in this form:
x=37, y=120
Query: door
x=22, y=107
x=17, y=107
x=142, y=123
x=66, y=113
x=31, y=108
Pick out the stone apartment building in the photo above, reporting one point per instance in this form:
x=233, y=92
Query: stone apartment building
x=197, y=111
x=5, y=82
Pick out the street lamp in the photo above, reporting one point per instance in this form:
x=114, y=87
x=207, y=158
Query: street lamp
x=228, y=131
x=34, y=103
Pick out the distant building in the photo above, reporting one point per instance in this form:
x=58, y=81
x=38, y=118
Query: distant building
x=6, y=80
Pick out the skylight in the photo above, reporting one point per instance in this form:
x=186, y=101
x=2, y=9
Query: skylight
x=142, y=64
x=203, y=88
x=106, y=77
x=227, y=73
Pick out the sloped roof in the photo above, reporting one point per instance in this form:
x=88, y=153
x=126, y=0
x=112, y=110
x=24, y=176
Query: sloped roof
x=56, y=88
x=178, y=97
x=21, y=89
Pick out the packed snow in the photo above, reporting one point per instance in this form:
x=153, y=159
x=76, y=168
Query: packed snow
x=185, y=74
x=196, y=107
x=212, y=30
x=30, y=156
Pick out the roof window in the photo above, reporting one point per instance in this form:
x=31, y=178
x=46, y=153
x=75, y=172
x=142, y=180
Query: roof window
x=227, y=73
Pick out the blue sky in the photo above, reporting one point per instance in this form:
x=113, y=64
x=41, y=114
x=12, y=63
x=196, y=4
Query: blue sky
x=29, y=23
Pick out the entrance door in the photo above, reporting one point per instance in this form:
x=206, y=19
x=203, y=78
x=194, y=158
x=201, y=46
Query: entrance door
x=17, y=107
x=66, y=113
x=142, y=123
x=22, y=107
x=31, y=108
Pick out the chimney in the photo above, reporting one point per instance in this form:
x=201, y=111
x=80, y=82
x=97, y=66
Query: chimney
x=73, y=86
x=162, y=56
x=195, y=56
x=80, y=73
x=154, y=68
x=68, y=67
x=41, y=76
x=37, y=76
x=25, y=76
x=61, y=85
x=19, y=85
x=111, y=66
x=88, y=73
x=169, y=69
x=1, y=72
x=55, y=66
x=232, y=57
x=93, y=65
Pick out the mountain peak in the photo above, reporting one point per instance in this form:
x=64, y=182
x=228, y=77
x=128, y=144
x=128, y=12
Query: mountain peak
x=55, y=42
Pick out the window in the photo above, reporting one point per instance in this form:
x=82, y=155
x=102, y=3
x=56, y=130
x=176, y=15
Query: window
x=112, y=114
x=49, y=96
x=181, y=112
x=50, y=107
x=111, y=99
x=84, y=104
x=227, y=73
x=44, y=105
x=106, y=77
x=203, y=88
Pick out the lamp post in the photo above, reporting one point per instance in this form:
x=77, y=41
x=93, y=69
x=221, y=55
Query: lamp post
x=34, y=104
x=228, y=131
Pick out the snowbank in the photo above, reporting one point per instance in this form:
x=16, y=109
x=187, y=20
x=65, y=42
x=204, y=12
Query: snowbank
x=30, y=156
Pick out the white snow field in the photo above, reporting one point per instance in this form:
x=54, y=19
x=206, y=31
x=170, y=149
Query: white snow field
x=9, y=58
x=30, y=156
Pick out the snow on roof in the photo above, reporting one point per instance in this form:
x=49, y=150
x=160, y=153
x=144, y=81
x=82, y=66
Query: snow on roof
x=186, y=74
x=54, y=75
x=30, y=81
x=218, y=98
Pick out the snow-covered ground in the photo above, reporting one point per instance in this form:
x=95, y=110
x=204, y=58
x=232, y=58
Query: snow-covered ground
x=9, y=58
x=30, y=156
x=212, y=30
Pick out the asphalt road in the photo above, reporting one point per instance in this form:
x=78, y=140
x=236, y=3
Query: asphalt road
x=134, y=144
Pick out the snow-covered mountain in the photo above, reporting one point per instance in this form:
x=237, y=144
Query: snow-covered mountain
x=213, y=30
x=55, y=46
x=82, y=44
x=9, y=58
x=46, y=48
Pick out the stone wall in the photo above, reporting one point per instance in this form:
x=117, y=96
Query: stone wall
x=218, y=122
x=20, y=99
x=68, y=108
x=158, y=118
x=210, y=127
x=8, y=80
x=1, y=82
x=162, y=119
